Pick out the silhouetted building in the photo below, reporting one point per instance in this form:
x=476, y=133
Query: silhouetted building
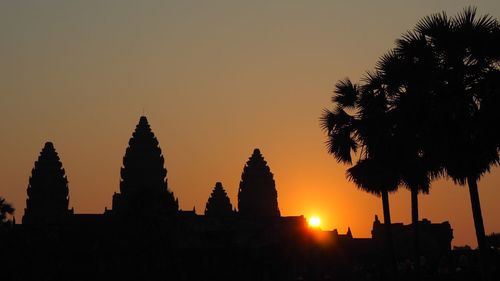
x=218, y=205
x=143, y=186
x=494, y=240
x=349, y=233
x=435, y=238
x=48, y=197
x=257, y=196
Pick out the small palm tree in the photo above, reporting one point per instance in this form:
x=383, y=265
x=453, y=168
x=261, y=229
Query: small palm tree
x=6, y=210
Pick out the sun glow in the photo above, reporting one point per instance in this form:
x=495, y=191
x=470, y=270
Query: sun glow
x=314, y=221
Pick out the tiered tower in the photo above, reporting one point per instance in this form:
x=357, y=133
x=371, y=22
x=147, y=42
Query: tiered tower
x=48, y=191
x=143, y=186
x=257, y=196
x=218, y=205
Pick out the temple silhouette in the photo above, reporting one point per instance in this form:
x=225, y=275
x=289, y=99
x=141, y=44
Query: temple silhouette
x=218, y=204
x=145, y=236
x=48, y=193
x=143, y=185
x=257, y=196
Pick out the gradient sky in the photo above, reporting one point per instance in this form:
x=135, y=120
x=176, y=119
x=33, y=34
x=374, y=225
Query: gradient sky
x=215, y=79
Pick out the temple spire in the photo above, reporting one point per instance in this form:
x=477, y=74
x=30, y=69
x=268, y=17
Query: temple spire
x=349, y=233
x=218, y=205
x=257, y=195
x=48, y=193
x=143, y=185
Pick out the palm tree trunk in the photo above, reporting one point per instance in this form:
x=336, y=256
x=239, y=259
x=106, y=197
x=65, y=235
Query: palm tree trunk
x=385, y=206
x=391, y=258
x=416, y=232
x=478, y=223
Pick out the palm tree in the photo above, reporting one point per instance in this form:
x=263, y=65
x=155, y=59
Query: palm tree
x=402, y=75
x=6, y=210
x=416, y=177
x=472, y=71
x=470, y=65
x=459, y=96
x=351, y=126
x=360, y=121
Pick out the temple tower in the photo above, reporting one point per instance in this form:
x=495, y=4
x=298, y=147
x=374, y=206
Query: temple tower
x=143, y=186
x=48, y=198
x=257, y=196
x=218, y=205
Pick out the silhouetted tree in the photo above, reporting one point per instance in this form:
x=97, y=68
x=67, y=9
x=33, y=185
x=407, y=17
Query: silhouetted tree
x=361, y=121
x=462, y=100
x=48, y=193
x=6, y=210
x=218, y=205
x=468, y=49
x=143, y=186
x=257, y=195
x=398, y=73
x=443, y=82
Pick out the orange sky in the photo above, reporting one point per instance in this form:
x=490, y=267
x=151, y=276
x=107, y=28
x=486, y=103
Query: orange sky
x=216, y=79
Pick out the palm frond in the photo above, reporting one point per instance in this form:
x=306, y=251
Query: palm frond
x=434, y=24
x=340, y=128
x=468, y=19
x=373, y=176
x=340, y=144
x=327, y=120
x=346, y=93
x=5, y=209
x=465, y=17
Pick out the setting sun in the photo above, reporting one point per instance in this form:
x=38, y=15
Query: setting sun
x=314, y=221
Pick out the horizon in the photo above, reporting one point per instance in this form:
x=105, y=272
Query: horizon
x=215, y=81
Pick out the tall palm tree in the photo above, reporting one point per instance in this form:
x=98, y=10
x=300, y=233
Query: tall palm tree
x=402, y=76
x=460, y=95
x=6, y=210
x=472, y=73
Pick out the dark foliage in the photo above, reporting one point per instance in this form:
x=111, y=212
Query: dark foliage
x=6, y=210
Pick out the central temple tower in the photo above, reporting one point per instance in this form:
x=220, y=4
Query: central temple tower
x=257, y=196
x=143, y=185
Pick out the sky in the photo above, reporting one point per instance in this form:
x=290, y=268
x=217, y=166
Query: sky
x=216, y=79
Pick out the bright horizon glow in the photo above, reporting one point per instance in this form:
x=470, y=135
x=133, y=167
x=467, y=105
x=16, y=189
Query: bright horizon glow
x=314, y=221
